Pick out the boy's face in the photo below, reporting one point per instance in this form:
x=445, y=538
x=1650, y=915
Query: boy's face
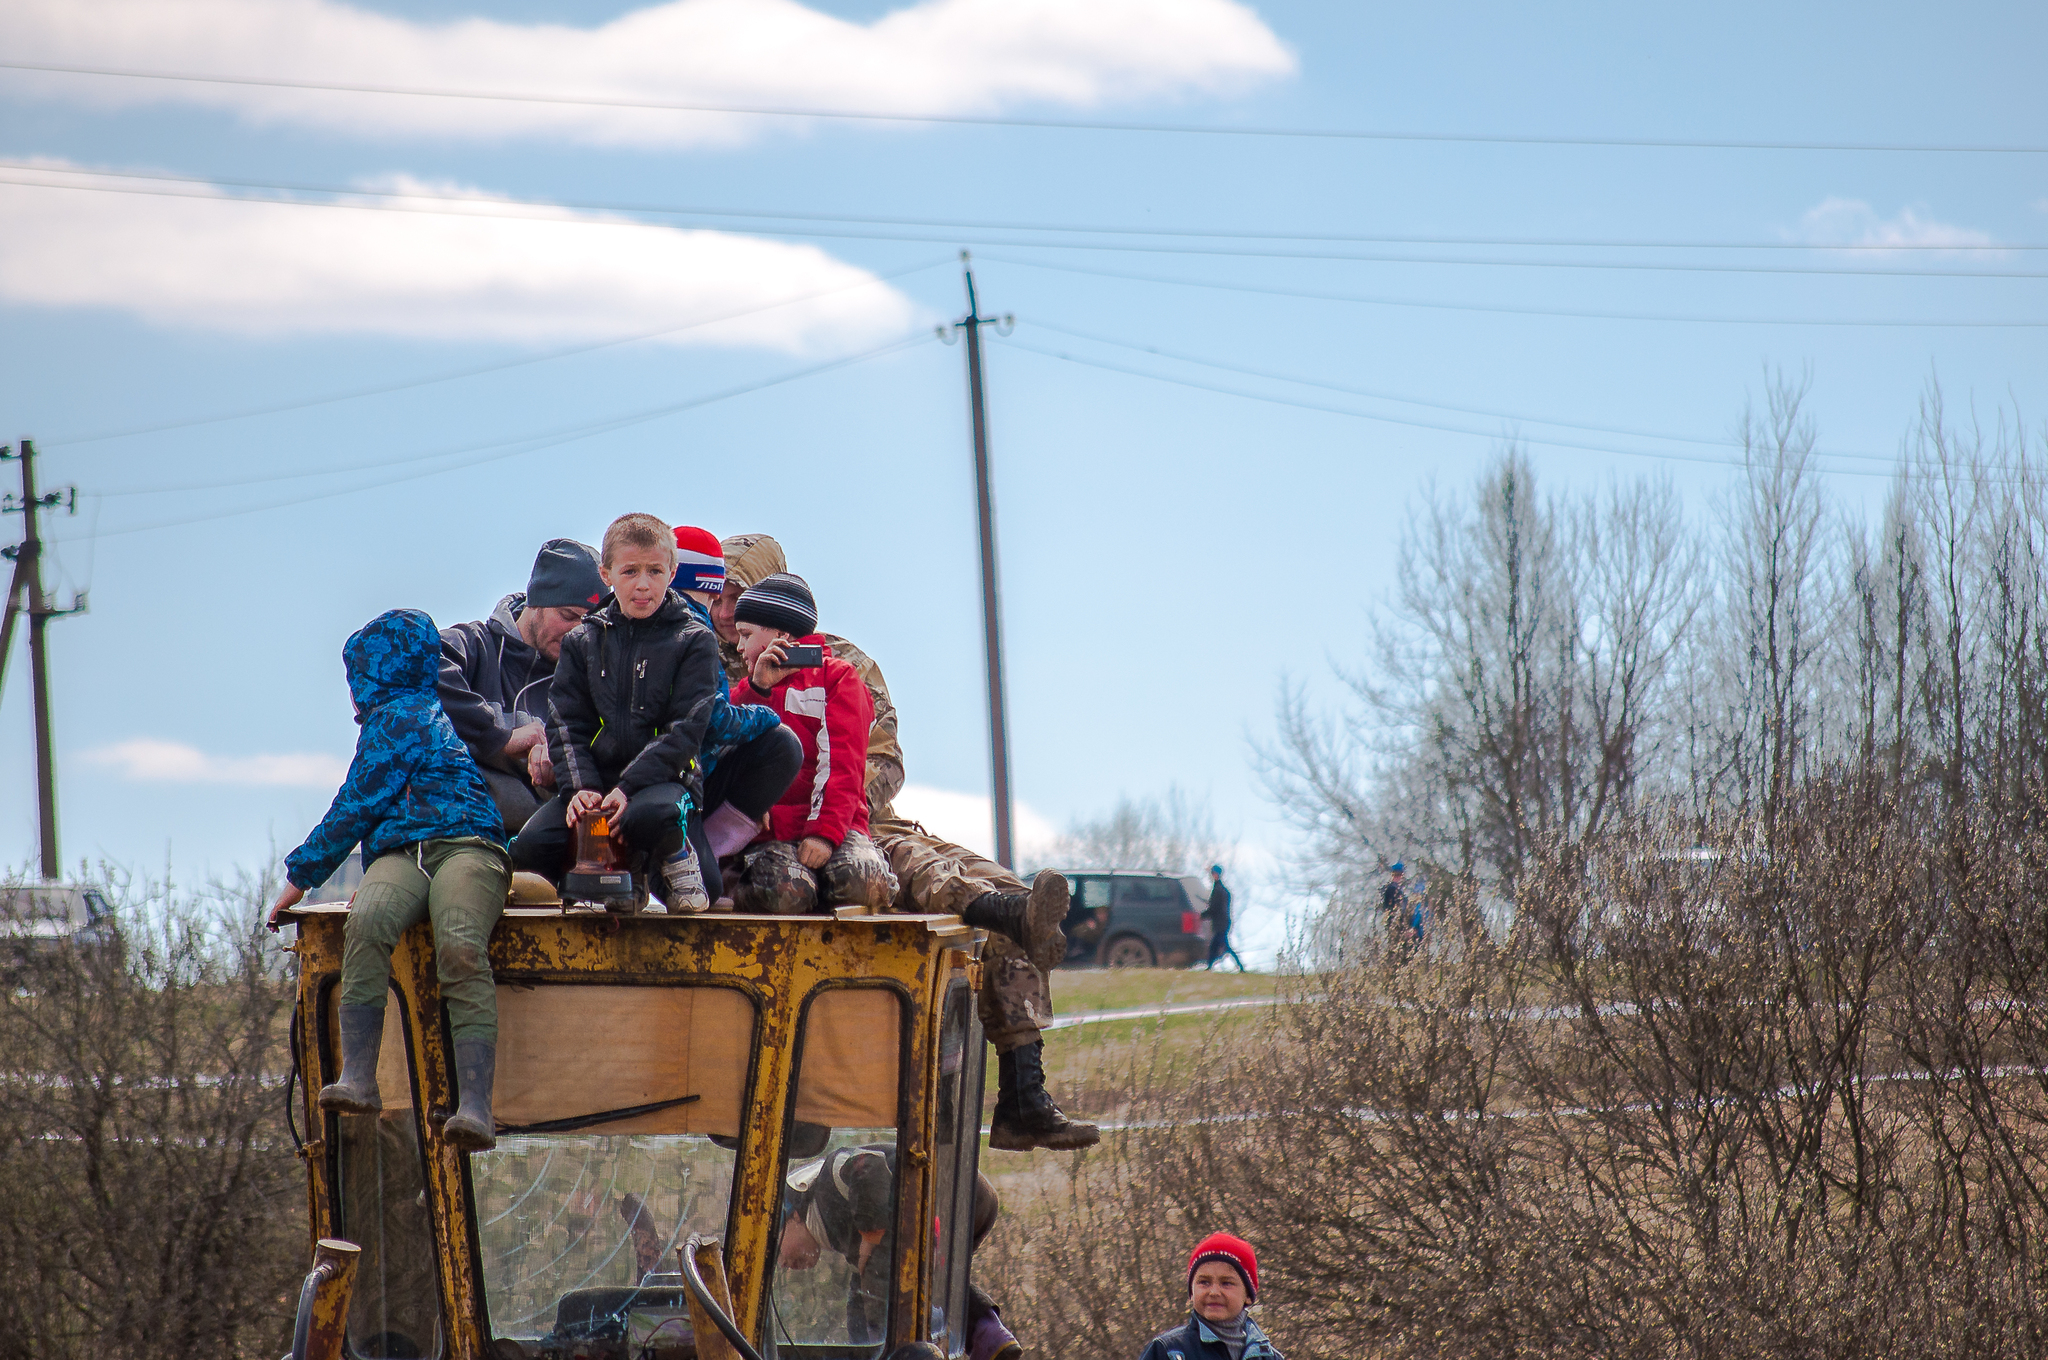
x=721, y=612
x=754, y=640
x=639, y=577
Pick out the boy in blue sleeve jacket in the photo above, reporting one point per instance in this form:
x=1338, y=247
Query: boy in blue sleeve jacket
x=417, y=803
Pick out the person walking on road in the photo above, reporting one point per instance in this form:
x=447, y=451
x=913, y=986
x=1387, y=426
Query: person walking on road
x=1218, y=914
x=1223, y=1282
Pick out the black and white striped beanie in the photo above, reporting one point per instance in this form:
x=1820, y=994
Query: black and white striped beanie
x=779, y=601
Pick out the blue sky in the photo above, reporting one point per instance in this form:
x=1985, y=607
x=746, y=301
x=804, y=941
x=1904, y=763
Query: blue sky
x=1169, y=551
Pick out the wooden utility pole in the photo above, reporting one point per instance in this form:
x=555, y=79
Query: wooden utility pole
x=991, y=597
x=25, y=594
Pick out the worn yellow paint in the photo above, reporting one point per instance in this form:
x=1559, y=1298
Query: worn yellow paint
x=779, y=961
x=334, y=1266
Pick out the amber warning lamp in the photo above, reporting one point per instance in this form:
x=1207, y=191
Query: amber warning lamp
x=600, y=874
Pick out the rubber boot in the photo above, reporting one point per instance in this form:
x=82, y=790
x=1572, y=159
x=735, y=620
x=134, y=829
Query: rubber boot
x=1025, y=1116
x=1030, y=919
x=362, y=1039
x=470, y=1128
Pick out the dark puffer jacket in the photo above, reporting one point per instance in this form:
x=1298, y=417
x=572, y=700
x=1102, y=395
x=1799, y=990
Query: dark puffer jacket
x=631, y=699
x=492, y=683
x=412, y=779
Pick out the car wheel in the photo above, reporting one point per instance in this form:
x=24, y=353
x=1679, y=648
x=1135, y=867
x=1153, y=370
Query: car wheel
x=1128, y=951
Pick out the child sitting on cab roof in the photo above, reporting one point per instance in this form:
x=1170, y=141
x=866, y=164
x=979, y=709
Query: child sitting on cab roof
x=816, y=851
x=626, y=716
x=416, y=801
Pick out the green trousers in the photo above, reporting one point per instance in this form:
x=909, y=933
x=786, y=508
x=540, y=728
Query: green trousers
x=460, y=886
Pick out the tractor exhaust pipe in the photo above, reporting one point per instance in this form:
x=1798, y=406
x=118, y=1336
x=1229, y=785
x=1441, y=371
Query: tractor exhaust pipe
x=321, y=1332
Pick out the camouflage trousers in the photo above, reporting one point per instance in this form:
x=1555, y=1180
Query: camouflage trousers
x=939, y=877
x=776, y=883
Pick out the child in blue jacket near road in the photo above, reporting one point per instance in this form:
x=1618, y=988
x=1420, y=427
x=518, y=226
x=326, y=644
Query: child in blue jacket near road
x=417, y=803
x=1223, y=1282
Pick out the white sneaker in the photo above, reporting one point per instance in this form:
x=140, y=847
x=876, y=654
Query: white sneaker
x=684, y=878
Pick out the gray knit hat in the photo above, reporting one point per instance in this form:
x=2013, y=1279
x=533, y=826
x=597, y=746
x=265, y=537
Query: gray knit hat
x=779, y=601
x=565, y=573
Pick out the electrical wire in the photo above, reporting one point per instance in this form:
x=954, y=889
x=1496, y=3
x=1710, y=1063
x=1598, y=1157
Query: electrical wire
x=1350, y=390
x=978, y=224
x=1013, y=342
x=503, y=211
x=1060, y=124
x=498, y=450
x=458, y=374
x=1314, y=296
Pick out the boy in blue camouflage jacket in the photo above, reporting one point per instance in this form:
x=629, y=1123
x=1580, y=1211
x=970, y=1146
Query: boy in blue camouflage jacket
x=417, y=803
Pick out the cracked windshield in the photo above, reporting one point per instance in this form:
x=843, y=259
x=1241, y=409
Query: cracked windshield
x=609, y=1156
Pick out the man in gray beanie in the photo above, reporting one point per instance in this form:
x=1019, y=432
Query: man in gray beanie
x=496, y=672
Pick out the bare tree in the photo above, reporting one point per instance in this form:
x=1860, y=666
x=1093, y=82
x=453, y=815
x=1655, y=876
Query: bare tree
x=154, y=1207
x=1170, y=835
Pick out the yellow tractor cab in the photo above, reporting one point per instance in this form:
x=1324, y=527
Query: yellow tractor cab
x=668, y=1089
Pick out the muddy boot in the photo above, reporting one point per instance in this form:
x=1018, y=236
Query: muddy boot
x=362, y=1039
x=470, y=1128
x=1029, y=919
x=1025, y=1116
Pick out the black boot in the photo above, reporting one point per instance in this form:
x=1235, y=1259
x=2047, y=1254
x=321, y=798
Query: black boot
x=362, y=1039
x=1030, y=919
x=471, y=1128
x=1025, y=1116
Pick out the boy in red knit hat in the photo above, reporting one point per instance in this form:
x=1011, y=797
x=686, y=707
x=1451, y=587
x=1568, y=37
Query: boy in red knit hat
x=1223, y=1281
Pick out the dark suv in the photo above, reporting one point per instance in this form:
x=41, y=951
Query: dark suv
x=1134, y=920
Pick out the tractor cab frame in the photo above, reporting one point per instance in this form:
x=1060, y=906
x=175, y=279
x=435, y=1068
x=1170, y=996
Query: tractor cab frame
x=659, y=1079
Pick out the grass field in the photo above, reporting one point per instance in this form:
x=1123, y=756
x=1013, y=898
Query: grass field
x=1090, y=1068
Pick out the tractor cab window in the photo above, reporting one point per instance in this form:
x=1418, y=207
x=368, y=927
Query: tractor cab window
x=832, y=1283
x=619, y=1117
x=381, y=1189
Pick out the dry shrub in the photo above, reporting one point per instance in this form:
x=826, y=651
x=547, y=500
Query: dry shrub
x=153, y=1204
x=1715, y=1094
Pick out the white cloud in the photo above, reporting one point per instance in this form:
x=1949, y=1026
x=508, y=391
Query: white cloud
x=516, y=271
x=146, y=760
x=933, y=57
x=1852, y=222
x=967, y=819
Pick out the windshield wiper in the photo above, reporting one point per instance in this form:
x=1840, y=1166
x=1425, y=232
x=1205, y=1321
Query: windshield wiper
x=586, y=1121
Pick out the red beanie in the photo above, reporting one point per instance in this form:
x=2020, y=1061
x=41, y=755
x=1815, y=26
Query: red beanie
x=1237, y=1251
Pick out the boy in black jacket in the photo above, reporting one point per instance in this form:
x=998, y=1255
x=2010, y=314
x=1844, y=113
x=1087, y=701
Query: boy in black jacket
x=632, y=694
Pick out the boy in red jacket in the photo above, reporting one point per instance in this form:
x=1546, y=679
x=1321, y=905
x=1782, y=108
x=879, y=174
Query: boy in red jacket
x=816, y=852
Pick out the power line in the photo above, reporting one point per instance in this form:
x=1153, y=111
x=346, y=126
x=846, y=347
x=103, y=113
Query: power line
x=977, y=224
x=500, y=210
x=520, y=445
x=1389, y=420
x=411, y=383
x=1369, y=300
x=1057, y=124
x=1518, y=417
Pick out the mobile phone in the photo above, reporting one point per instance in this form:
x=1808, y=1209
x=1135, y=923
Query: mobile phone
x=800, y=655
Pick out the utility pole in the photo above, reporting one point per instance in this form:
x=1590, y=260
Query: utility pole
x=991, y=597
x=27, y=586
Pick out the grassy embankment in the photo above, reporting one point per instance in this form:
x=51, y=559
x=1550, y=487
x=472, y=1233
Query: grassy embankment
x=1090, y=1068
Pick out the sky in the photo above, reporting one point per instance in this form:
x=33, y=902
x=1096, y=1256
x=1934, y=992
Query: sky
x=320, y=332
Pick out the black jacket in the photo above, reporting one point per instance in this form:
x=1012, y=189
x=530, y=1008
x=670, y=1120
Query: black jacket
x=1218, y=910
x=631, y=698
x=492, y=683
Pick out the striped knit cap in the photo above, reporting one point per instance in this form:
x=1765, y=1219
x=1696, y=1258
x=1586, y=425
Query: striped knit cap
x=782, y=600
x=700, y=561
